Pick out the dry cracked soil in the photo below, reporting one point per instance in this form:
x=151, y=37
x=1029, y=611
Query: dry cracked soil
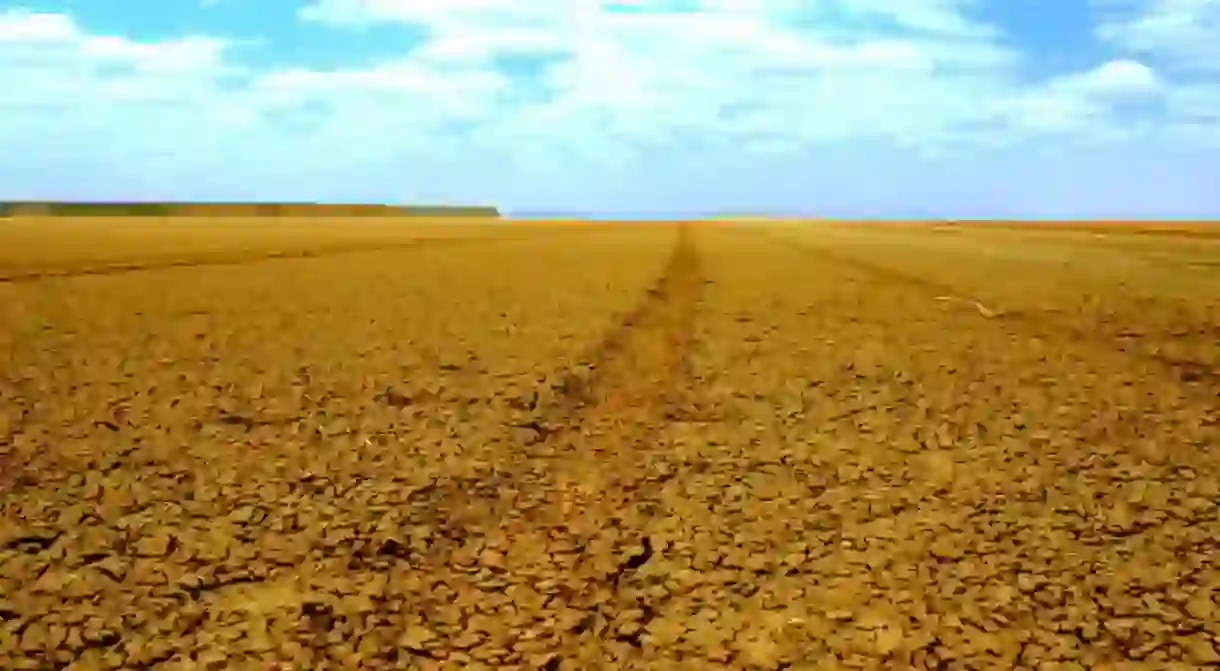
x=730, y=445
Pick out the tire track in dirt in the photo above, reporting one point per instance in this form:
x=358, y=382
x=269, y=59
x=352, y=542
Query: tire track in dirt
x=19, y=275
x=1201, y=230
x=585, y=462
x=122, y=268
x=613, y=416
x=1185, y=370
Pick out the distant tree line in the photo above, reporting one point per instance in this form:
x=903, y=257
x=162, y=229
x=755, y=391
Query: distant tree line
x=149, y=209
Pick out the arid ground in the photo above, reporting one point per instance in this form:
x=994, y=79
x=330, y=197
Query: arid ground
x=382, y=444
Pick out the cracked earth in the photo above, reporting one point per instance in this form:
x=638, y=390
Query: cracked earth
x=664, y=445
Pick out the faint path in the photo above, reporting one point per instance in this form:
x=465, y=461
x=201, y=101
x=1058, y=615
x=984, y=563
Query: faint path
x=610, y=418
x=1185, y=370
x=15, y=273
x=564, y=527
x=583, y=440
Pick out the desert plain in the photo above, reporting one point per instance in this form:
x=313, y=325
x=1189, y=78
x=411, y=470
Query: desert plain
x=386, y=444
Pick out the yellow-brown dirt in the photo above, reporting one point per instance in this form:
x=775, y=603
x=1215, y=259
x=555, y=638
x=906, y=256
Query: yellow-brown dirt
x=803, y=445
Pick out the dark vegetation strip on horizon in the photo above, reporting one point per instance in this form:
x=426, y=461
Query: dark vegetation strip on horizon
x=170, y=209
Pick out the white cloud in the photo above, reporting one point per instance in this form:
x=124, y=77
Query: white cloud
x=34, y=39
x=24, y=26
x=609, y=84
x=945, y=17
x=392, y=78
x=1117, y=78
x=70, y=92
x=1197, y=103
x=190, y=54
x=50, y=65
x=1185, y=33
x=1181, y=37
x=650, y=72
x=1086, y=106
x=761, y=73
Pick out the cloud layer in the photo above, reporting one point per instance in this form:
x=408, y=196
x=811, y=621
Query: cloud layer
x=697, y=105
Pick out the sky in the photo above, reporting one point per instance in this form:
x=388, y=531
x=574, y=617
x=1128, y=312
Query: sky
x=836, y=108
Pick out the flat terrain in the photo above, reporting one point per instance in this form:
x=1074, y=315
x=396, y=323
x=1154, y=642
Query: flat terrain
x=381, y=445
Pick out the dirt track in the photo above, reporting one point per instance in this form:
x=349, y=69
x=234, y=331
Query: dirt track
x=671, y=446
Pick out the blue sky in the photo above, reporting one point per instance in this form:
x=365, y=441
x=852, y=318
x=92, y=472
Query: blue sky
x=858, y=108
